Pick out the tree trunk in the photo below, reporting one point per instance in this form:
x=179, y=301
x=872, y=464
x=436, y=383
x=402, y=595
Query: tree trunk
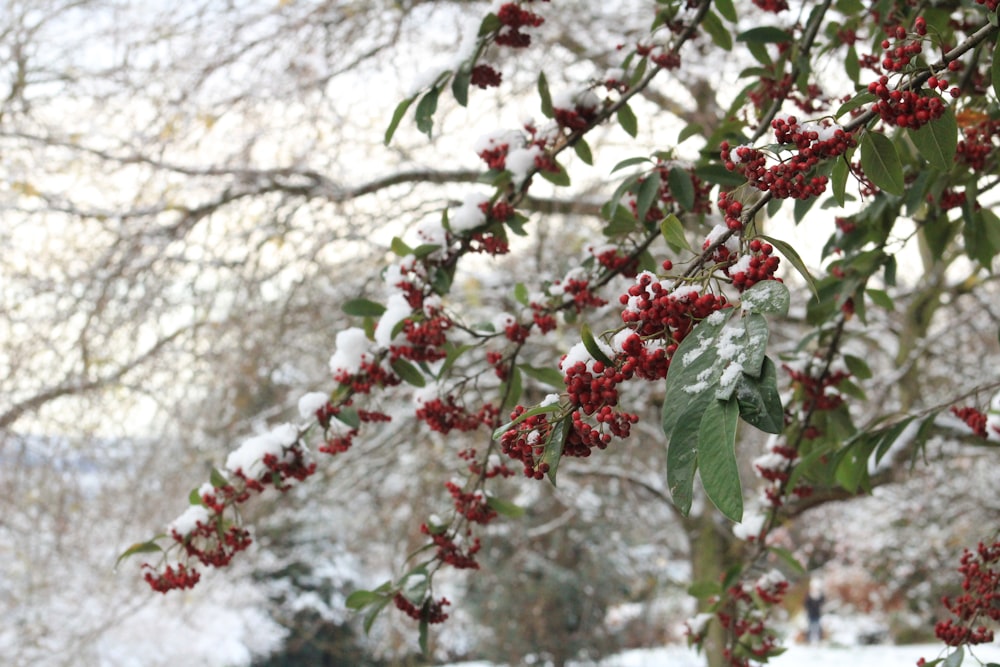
x=710, y=557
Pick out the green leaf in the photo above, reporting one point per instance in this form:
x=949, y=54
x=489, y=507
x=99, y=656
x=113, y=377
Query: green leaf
x=217, y=479
x=349, y=416
x=858, y=367
x=881, y=298
x=793, y=563
x=759, y=400
x=704, y=589
x=521, y=294
x=514, y=389
x=194, y=498
x=881, y=162
x=936, y=141
x=460, y=85
x=408, y=372
x=374, y=612
x=397, y=116
x=425, y=110
x=673, y=233
x=995, y=70
x=583, y=151
x=537, y=410
x=838, y=180
x=720, y=474
x=399, y=247
x=852, y=66
x=682, y=449
x=491, y=22
x=139, y=548
x=955, y=659
x=361, y=599
x=717, y=31
x=794, y=259
x=552, y=454
x=765, y=35
x=628, y=162
x=767, y=296
x=649, y=191
x=560, y=178
x=363, y=308
x=504, y=507
x=690, y=130
x=857, y=101
x=544, y=95
x=727, y=9
x=628, y=121
x=592, y=346
x=547, y=376
x=424, y=631
x=681, y=187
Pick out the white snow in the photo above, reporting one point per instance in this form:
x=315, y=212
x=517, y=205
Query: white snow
x=750, y=527
x=311, y=402
x=520, y=162
x=469, y=215
x=396, y=310
x=189, y=520
x=250, y=456
x=351, y=351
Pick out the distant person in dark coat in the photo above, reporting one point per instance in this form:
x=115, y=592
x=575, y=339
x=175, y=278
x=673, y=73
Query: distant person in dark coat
x=814, y=611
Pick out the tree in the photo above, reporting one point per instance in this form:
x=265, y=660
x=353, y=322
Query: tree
x=885, y=111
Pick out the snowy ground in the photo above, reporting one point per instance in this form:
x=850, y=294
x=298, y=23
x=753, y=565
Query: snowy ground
x=796, y=656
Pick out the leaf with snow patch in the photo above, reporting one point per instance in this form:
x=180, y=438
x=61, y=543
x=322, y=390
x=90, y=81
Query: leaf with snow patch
x=767, y=296
x=690, y=385
x=720, y=474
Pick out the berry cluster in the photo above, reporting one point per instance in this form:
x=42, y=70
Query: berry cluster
x=775, y=467
x=525, y=442
x=790, y=178
x=743, y=612
x=751, y=268
x=430, y=611
x=485, y=76
x=450, y=552
x=979, y=602
x=977, y=143
x=445, y=415
x=514, y=18
x=773, y=6
x=173, y=577
x=814, y=389
x=655, y=309
x=899, y=55
x=904, y=108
